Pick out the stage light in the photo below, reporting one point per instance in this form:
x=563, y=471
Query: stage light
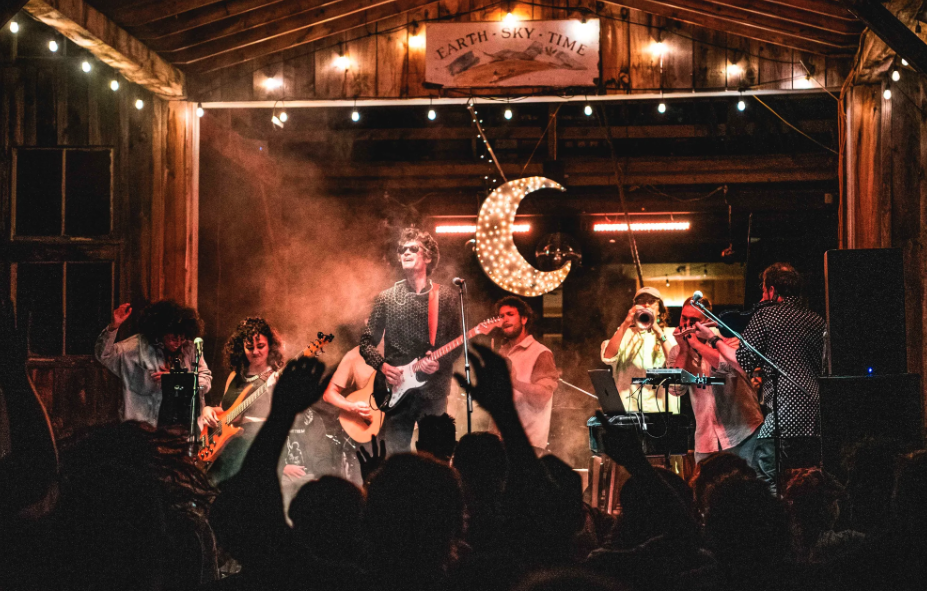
x=199, y=110
x=588, y=110
x=887, y=94
x=658, y=48
x=904, y=62
x=417, y=41
x=14, y=27
x=355, y=116
x=741, y=105
x=342, y=62
x=496, y=251
x=507, y=114
x=661, y=108
x=85, y=66
x=139, y=104
x=432, y=115
x=283, y=116
x=114, y=85
x=272, y=83
x=52, y=46
x=470, y=229
x=896, y=75
x=643, y=227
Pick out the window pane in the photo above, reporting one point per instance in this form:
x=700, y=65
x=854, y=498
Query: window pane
x=87, y=192
x=39, y=305
x=89, y=306
x=38, y=193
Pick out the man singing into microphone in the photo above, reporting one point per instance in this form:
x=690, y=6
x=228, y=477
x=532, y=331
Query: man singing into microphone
x=166, y=333
x=412, y=318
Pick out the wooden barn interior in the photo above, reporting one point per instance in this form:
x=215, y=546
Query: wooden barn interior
x=147, y=156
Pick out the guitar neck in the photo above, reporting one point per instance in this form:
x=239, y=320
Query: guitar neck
x=439, y=353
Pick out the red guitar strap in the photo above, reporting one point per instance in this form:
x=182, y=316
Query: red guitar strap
x=433, y=313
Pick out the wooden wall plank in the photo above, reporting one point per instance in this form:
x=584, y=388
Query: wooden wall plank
x=710, y=58
x=743, y=62
x=329, y=80
x=775, y=67
x=644, y=66
x=815, y=63
x=76, y=121
x=29, y=102
x=361, y=77
x=677, y=62
x=614, y=43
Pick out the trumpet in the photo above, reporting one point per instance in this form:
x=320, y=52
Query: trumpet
x=644, y=319
x=692, y=329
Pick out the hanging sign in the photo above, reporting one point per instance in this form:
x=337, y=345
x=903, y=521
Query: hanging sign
x=521, y=53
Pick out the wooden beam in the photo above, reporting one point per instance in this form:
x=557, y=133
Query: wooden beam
x=826, y=7
x=199, y=17
x=219, y=32
x=892, y=31
x=285, y=28
x=141, y=13
x=847, y=26
x=90, y=29
x=9, y=11
x=306, y=35
x=744, y=29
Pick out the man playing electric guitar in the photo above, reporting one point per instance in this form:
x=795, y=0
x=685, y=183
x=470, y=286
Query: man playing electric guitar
x=412, y=318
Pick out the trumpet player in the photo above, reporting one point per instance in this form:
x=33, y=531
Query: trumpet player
x=642, y=342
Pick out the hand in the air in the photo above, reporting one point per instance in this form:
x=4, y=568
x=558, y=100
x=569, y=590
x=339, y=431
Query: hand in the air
x=493, y=389
x=300, y=385
x=120, y=315
x=294, y=471
x=392, y=374
x=427, y=364
x=371, y=461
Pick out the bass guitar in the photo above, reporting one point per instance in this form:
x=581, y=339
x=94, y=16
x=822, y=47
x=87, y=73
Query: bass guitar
x=212, y=440
x=390, y=395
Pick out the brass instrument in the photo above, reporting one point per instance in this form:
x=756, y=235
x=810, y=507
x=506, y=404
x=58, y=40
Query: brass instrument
x=688, y=331
x=644, y=319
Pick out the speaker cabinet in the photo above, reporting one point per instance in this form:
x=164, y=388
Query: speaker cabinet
x=856, y=407
x=865, y=312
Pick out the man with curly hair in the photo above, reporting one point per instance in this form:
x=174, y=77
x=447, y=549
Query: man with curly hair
x=166, y=333
x=400, y=318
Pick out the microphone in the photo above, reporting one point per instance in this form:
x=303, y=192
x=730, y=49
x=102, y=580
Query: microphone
x=458, y=281
x=696, y=297
x=198, y=343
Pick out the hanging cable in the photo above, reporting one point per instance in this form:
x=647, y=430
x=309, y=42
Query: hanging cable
x=553, y=118
x=781, y=118
x=485, y=139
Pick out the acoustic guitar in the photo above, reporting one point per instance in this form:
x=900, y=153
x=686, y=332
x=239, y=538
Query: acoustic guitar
x=212, y=440
x=358, y=429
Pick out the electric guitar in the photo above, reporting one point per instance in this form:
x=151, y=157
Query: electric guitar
x=390, y=395
x=212, y=440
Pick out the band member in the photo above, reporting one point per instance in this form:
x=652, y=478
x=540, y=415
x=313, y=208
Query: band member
x=632, y=351
x=253, y=353
x=792, y=336
x=351, y=375
x=166, y=333
x=728, y=416
x=400, y=318
x=534, y=374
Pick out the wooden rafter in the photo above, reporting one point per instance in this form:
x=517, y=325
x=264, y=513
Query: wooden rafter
x=765, y=8
x=140, y=13
x=831, y=8
x=260, y=23
x=8, y=12
x=892, y=31
x=93, y=31
x=307, y=35
x=794, y=36
x=198, y=17
x=284, y=28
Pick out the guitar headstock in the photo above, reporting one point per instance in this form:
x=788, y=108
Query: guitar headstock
x=316, y=346
x=488, y=325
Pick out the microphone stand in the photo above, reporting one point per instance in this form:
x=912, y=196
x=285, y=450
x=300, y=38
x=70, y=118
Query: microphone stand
x=777, y=373
x=462, y=286
x=194, y=406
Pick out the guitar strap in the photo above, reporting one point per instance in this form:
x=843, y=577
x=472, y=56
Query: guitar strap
x=433, y=313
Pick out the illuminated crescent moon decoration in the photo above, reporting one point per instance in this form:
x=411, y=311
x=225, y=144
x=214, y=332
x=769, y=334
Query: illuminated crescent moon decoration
x=494, y=246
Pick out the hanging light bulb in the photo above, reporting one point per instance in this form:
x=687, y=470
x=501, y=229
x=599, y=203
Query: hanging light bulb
x=139, y=104
x=510, y=17
x=199, y=110
x=355, y=116
x=741, y=105
x=14, y=27
x=661, y=108
x=904, y=62
x=53, y=46
x=887, y=94
x=114, y=85
x=283, y=116
x=276, y=121
x=588, y=110
x=896, y=75
x=432, y=115
x=85, y=66
x=507, y=114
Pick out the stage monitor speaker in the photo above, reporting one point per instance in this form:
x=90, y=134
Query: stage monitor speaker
x=865, y=312
x=856, y=407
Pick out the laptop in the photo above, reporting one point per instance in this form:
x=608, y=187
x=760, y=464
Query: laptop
x=604, y=386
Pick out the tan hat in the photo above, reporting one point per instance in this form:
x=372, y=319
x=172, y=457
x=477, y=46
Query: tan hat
x=652, y=291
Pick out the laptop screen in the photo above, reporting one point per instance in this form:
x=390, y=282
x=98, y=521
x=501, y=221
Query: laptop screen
x=605, y=389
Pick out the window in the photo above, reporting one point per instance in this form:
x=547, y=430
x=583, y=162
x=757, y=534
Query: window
x=62, y=192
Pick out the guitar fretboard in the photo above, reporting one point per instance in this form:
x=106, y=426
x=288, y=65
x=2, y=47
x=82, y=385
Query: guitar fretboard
x=439, y=353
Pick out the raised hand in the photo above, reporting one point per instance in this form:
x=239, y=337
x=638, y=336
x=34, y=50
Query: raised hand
x=120, y=315
x=493, y=389
x=300, y=385
x=371, y=461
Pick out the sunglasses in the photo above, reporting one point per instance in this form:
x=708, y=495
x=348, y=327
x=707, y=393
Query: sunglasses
x=413, y=249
